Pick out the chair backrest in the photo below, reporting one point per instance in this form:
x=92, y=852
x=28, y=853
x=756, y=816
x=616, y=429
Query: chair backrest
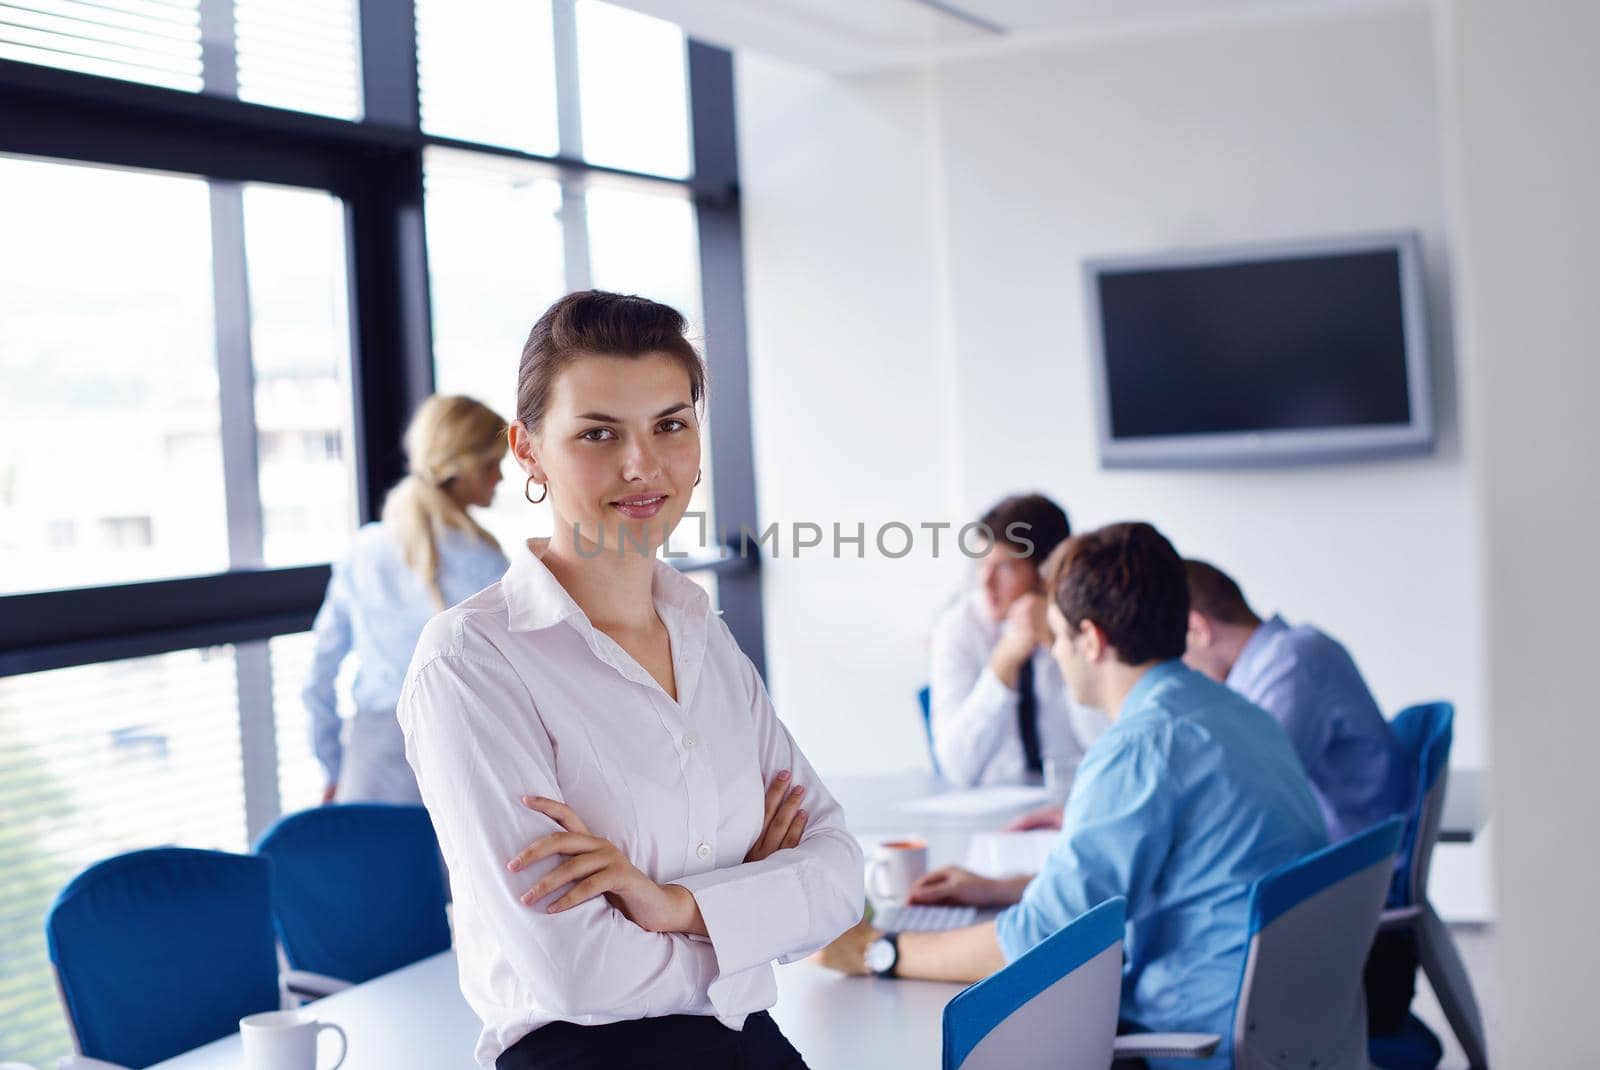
x=357, y=889
x=1058, y=1001
x=925, y=702
x=1425, y=733
x=160, y=951
x=1301, y=1003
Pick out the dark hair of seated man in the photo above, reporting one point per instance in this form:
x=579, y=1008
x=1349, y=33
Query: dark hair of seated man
x=1129, y=580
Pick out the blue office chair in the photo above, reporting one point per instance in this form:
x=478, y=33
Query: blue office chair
x=1425, y=731
x=1301, y=1000
x=357, y=891
x=160, y=951
x=1060, y=998
x=925, y=701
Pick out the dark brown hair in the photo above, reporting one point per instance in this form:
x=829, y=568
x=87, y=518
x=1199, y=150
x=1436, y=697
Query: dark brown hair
x=1128, y=579
x=601, y=324
x=1038, y=521
x=1213, y=593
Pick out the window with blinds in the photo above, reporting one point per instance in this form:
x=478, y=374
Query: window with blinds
x=94, y=761
x=299, y=54
x=295, y=54
x=498, y=88
x=107, y=758
x=151, y=41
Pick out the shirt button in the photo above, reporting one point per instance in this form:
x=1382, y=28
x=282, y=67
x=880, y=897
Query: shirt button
x=704, y=851
x=689, y=741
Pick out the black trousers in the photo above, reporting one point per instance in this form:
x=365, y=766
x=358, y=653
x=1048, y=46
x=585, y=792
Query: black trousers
x=689, y=1041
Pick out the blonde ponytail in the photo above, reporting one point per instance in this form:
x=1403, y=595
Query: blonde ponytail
x=446, y=437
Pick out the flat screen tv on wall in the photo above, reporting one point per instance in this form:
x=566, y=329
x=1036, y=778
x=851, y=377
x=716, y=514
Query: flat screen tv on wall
x=1267, y=354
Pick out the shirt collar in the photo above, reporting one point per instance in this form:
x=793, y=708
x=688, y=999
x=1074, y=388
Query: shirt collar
x=1255, y=647
x=1153, y=678
x=536, y=600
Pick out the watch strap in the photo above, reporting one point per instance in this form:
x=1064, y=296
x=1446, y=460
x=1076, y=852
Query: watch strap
x=893, y=940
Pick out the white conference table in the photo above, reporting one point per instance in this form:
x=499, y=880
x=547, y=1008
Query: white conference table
x=872, y=806
x=416, y=1019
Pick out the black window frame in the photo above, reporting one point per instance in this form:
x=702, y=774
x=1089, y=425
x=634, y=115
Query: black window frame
x=375, y=165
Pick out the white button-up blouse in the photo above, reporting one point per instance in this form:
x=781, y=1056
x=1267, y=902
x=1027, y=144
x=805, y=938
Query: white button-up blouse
x=513, y=692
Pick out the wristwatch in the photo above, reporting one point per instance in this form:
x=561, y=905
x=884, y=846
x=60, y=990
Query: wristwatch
x=883, y=954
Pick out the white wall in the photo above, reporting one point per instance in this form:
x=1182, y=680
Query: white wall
x=1279, y=128
x=1524, y=168
x=1276, y=129
x=847, y=393
x=898, y=257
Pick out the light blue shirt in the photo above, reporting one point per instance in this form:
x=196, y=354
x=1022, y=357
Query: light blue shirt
x=376, y=606
x=1310, y=684
x=1189, y=797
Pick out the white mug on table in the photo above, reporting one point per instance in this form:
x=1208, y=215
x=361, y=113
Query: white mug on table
x=893, y=866
x=285, y=1040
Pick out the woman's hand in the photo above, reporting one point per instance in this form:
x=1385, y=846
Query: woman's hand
x=784, y=822
x=952, y=884
x=594, y=867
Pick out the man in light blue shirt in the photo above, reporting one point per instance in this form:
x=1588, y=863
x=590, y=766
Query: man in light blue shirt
x=1188, y=798
x=1310, y=684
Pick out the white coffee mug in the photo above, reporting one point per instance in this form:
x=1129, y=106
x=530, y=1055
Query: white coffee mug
x=286, y=1040
x=893, y=866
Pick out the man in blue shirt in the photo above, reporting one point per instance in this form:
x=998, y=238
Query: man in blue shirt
x=1311, y=686
x=1189, y=797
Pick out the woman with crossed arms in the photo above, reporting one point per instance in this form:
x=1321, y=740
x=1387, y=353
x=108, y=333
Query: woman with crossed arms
x=632, y=835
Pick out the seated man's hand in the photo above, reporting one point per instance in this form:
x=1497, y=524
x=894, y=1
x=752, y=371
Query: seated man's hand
x=952, y=884
x=848, y=954
x=1048, y=817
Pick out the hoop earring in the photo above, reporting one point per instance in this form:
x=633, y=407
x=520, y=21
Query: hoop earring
x=698, y=473
x=527, y=491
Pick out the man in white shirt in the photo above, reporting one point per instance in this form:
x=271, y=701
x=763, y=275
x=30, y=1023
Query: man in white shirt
x=998, y=707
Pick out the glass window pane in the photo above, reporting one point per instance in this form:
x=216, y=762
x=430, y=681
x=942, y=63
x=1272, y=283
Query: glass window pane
x=110, y=458
x=300, y=348
x=646, y=242
x=486, y=72
x=633, y=88
x=95, y=761
x=299, y=54
x=495, y=262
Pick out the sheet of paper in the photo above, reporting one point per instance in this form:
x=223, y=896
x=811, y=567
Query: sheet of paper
x=978, y=802
x=1007, y=854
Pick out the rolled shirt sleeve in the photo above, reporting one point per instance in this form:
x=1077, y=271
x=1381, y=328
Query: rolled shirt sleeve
x=586, y=957
x=1115, y=834
x=797, y=899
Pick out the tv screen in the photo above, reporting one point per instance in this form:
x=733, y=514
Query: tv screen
x=1283, y=354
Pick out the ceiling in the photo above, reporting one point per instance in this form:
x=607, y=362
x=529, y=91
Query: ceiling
x=865, y=35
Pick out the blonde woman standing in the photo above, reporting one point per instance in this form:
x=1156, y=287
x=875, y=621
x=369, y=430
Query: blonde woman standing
x=424, y=555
